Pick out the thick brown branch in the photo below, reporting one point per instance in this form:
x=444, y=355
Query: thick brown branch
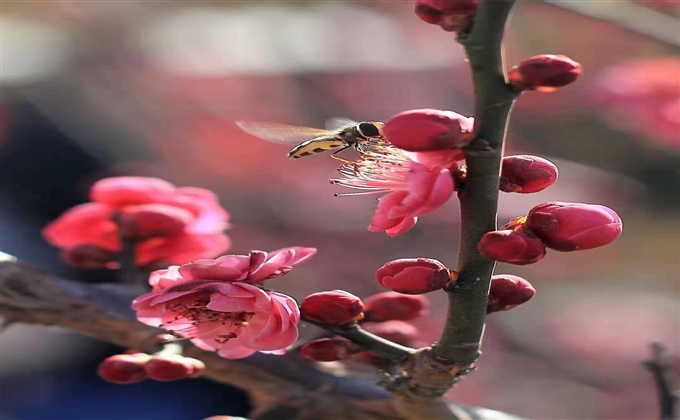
x=103, y=311
x=275, y=383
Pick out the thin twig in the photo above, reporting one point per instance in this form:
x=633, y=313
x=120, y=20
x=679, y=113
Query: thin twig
x=461, y=339
x=366, y=340
x=659, y=367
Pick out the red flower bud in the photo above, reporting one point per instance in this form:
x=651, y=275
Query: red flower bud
x=451, y=15
x=90, y=256
x=173, y=367
x=544, y=73
x=511, y=247
x=395, y=306
x=335, y=307
x=398, y=331
x=574, y=226
x=124, y=368
x=428, y=129
x=329, y=349
x=154, y=220
x=526, y=174
x=413, y=276
x=508, y=291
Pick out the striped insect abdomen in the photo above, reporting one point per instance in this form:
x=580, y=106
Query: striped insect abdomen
x=314, y=146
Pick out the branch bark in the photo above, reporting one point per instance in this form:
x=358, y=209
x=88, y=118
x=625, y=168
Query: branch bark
x=275, y=383
x=30, y=296
x=461, y=339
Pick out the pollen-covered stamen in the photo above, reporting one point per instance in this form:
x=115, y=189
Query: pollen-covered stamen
x=380, y=168
x=196, y=312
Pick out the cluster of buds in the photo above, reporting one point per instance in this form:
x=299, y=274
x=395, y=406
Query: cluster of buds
x=136, y=367
x=556, y=225
x=384, y=314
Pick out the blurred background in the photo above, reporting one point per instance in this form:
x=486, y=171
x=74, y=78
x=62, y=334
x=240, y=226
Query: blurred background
x=97, y=89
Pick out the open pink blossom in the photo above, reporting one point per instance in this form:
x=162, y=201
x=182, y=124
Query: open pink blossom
x=235, y=319
x=254, y=267
x=166, y=223
x=417, y=183
x=212, y=302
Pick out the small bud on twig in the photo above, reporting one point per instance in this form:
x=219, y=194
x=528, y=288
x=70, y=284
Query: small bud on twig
x=508, y=291
x=388, y=306
x=512, y=247
x=544, y=73
x=334, y=307
x=526, y=174
x=574, y=226
x=414, y=276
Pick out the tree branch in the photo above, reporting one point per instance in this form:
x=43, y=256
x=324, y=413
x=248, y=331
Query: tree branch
x=275, y=383
x=30, y=296
x=461, y=338
x=366, y=340
x=658, y=366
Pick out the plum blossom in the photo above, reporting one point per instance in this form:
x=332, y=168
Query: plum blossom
x=167, y=223
x=215, y=304
x=417, y=183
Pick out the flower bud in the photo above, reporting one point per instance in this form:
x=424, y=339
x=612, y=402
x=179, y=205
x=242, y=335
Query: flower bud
x=173, y=367
x=124, y=368
x=154, y=220
x=526, y=174
x=512, y=247
x=421, y=130
x=413, y=276
x=398, y=331
x=451, y=15
x=395, y=306
x=335, y=307
x=508, y=291
x=90, y=256
x=574, y=226
x=544, y=73
x=329, y=349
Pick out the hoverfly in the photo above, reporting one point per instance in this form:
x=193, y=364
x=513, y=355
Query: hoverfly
x=340, y=134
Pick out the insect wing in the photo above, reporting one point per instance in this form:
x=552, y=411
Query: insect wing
x=281, y=133
x=336, y=123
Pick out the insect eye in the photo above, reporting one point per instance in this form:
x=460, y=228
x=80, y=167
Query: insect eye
x=368, y=130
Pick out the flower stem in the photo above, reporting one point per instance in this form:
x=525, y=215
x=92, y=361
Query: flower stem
x=366, y=340
x=461, y=339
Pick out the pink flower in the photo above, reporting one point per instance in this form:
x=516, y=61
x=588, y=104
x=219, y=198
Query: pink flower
x=235, y=319
x=166, y=223
x=418, y=183
x=213, y=303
